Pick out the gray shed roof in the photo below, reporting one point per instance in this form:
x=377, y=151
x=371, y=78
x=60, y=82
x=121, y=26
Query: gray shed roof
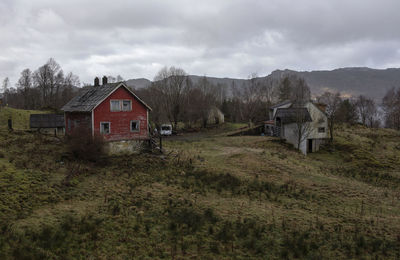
x=46, y=121
x=292, y=115
x=281, y=104
x=89, y=99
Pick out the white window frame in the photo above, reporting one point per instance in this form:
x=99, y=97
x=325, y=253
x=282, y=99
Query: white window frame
x=109, y=127
x=119, y=106
x=321, y=132
x=130, y=105
x=138, y=123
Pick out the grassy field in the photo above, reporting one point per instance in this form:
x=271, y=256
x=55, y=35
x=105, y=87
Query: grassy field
x=20, y=118
x=208, y=197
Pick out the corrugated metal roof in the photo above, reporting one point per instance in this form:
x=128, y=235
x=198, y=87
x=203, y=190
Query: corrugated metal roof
x=89, y=99
x=293, y=115
x=46, y=121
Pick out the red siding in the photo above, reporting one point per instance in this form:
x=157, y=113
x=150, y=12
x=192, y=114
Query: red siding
x=77, y=121
x=120, y=121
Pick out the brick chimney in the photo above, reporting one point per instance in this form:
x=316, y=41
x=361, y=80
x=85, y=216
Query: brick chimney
x=96, y=82
x=104, y=80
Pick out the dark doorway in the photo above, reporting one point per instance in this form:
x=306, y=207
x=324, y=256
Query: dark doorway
x=310, y=146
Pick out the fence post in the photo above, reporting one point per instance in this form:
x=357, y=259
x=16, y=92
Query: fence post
x=160, y=143
x=10, y=124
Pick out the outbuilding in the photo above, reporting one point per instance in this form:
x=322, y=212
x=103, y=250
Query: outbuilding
x=305, y=126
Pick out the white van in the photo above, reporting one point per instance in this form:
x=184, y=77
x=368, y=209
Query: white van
x=166, y=129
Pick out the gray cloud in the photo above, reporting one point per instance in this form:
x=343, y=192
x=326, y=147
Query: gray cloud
x=217, y=38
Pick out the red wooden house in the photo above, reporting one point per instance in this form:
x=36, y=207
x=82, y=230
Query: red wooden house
x=111, y=110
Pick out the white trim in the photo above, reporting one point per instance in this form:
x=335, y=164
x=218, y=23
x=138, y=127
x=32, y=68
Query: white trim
x=93, y=123
x=148, y=134
x=130, y=126
x=109, y=126
x=65, y=124
x=130, y=91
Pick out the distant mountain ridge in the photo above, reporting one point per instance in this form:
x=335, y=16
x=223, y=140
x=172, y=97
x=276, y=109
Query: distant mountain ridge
x=351, y=81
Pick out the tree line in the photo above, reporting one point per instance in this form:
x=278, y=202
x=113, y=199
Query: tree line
x=175, y=98
x=48, y=87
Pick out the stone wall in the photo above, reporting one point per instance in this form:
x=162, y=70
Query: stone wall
x=127, y=146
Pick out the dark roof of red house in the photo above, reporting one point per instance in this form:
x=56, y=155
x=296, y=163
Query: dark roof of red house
x=93, y=96
x=293, y=115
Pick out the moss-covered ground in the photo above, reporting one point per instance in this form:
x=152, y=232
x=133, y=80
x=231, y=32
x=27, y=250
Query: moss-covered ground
x=207, y=197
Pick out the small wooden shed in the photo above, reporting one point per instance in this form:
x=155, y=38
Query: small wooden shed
x=50, y=123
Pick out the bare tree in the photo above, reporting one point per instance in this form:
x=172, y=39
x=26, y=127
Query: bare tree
x=300, y=96
x=251, y=95
x=154, y=98
x=347, y=112
x=332, y=102
x=6, y=86
x=71, y=82
x=367, y=110
x=391, y=108
x=49, y=78
x=268, y=91
x=25, y=84
x=173, y=83
x=302, y=125
x=46, y=87
x=119, y=78
x=111, y=79
x=206, y=95
x=285, y=89
x=301, y=93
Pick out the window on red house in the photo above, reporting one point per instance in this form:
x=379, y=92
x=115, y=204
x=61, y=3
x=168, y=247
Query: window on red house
x=135, y=126
x=105, y=127
x=115, y=106
x=126, y=105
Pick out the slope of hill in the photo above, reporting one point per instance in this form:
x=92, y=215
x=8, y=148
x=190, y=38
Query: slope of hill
x=138, y=83
x=211, y=198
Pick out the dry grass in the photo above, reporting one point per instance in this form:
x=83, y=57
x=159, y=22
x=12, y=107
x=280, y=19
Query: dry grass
x=20, y=117
x=273, y=201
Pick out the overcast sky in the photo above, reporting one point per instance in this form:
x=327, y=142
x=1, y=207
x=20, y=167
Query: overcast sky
x=229, y=38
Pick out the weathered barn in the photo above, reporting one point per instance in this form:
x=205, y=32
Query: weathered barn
x=111, y=110
x=50, y=123
x=288, y=119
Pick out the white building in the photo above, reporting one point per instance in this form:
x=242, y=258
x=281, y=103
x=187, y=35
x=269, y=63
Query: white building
x=305, y=126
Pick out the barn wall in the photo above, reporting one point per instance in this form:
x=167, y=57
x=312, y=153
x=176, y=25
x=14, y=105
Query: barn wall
x=319, y=120
x=291, y=137
x=120, y=121
x=77, y=121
